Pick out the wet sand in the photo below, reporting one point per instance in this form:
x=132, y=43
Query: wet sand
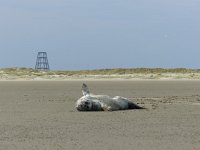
x=40, y=115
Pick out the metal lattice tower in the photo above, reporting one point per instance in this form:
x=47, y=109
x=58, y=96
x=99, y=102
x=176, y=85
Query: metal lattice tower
x=42, y=61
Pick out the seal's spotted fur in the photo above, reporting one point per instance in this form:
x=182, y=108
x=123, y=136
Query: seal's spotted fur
x=91, y=102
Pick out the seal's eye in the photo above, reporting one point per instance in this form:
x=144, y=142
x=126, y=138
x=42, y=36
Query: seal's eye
x=86, y=103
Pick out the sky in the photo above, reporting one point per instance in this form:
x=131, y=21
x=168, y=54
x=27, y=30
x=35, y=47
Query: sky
x=97, y=34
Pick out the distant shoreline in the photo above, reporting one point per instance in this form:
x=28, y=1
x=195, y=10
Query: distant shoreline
x=100, y=80
x=95, y=79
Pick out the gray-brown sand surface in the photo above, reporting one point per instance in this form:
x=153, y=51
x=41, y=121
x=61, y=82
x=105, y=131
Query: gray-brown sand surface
x=40, y=115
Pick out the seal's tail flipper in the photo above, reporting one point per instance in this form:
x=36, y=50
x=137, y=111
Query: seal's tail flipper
x=85, y=89
x=134, y=106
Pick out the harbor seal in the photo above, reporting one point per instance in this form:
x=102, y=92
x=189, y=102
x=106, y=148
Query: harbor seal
x=91, y=102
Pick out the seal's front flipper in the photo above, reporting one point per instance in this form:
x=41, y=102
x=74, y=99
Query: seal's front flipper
x=85, y=89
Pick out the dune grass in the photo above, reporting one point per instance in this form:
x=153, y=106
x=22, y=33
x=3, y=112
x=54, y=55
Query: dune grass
x=127, y=73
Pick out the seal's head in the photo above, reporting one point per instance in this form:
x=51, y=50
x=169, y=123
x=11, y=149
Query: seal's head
x=84, y=105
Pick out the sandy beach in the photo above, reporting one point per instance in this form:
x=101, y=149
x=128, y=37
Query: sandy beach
x=40, y=115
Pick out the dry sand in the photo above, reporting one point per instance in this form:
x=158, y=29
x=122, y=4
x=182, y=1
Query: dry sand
x=40, y=115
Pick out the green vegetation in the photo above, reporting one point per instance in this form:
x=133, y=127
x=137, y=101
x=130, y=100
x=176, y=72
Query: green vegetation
x=126, y=73
x=122, y=71
x=118, y=71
